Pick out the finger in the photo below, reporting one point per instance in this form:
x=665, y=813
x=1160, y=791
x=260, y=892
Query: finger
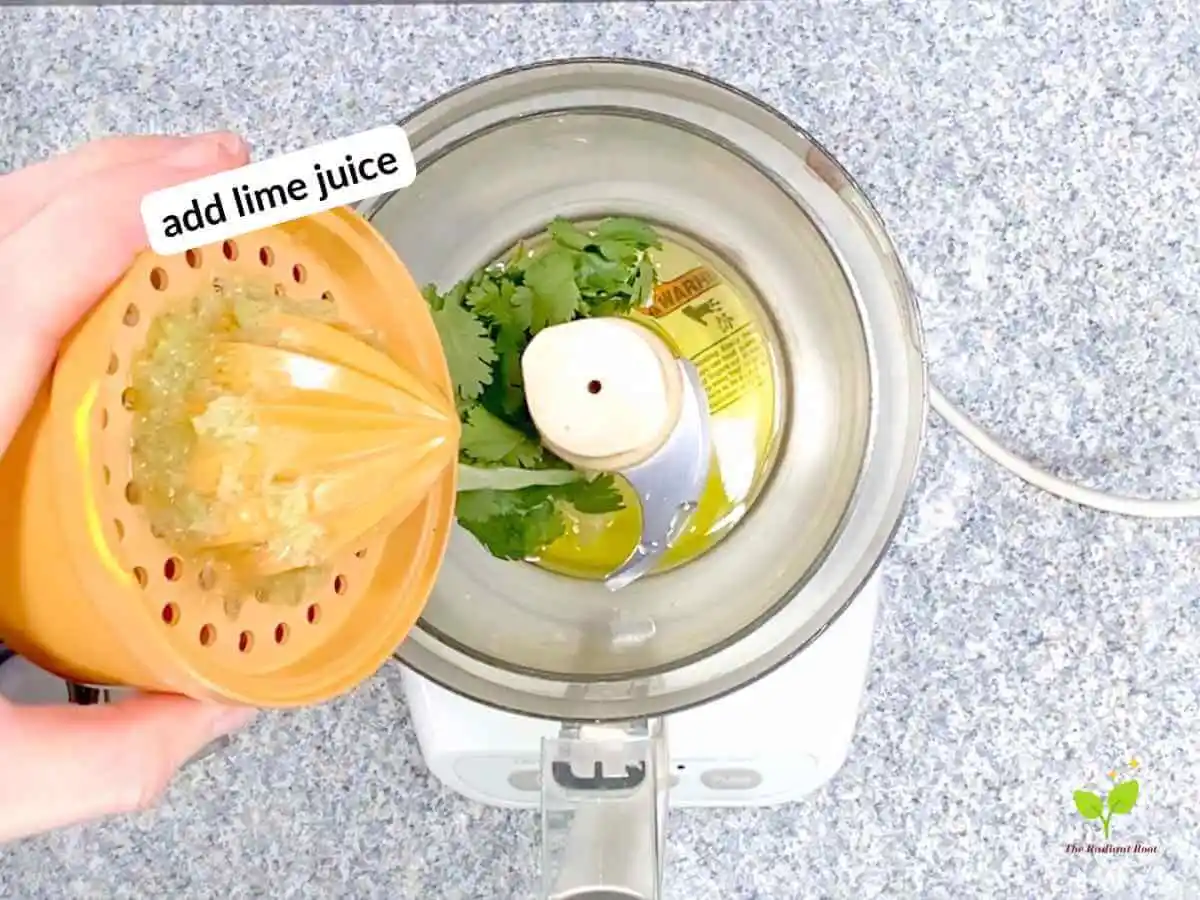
x=61, y=765
x=25, y=191
x=71, y=251
x=64, y=258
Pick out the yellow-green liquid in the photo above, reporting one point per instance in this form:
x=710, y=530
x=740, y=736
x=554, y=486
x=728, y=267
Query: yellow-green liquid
x=720, y=328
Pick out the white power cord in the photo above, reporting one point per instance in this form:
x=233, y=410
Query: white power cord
x=1075, y=493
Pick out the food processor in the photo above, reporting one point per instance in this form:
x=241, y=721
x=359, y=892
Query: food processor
x=733, y=677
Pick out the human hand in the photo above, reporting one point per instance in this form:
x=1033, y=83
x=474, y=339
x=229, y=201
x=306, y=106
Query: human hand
x=69, y=228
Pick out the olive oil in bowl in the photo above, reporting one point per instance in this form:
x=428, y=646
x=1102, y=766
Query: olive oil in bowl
x=709, y=315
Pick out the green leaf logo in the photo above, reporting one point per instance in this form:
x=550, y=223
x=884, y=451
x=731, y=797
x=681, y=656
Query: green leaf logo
x=1123, y=797
x=1120, y=801
x=1090, y=805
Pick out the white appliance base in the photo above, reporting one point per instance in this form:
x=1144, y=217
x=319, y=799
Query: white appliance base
x=774, y=741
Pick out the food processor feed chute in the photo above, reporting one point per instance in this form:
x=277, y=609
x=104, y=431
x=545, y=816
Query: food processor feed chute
x=604, y=811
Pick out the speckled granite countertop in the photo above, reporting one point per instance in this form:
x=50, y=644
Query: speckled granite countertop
x=1038, y=166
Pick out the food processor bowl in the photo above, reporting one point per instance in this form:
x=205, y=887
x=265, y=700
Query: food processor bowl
x=584, y=139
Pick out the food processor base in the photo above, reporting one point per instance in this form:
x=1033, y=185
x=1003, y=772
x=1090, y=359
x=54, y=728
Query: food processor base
x=774, y=741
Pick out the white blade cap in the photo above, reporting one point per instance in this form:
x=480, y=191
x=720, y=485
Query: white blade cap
x=603, y=393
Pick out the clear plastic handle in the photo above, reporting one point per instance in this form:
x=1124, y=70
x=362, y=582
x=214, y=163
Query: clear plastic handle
x=604, y=810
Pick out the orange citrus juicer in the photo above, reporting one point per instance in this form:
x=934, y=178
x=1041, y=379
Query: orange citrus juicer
x=238, y=483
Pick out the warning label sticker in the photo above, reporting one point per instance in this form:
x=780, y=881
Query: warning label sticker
x=711, y=324
x=732, y=367
x=716, y=332
x=673, y=294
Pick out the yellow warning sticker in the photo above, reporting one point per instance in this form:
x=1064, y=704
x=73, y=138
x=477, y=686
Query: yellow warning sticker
x=711, y=325
x=671, y=295
x=733, y=366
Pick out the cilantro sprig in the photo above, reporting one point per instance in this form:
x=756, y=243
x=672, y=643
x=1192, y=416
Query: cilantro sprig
x=513, y=489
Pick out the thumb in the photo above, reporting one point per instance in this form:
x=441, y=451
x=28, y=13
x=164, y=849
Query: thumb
x=61, y=765
x=27, y=190
x=66, y=255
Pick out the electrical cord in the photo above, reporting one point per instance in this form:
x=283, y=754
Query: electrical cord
x=1051, y=484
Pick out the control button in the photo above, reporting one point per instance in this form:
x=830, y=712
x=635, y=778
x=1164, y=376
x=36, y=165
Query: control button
x=525, y=780
x=731, y=779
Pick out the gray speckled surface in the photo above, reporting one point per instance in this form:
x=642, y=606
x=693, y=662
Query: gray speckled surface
x=1038, y=166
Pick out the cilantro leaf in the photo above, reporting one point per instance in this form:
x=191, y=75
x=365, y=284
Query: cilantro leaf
x=566, y=234
x=432, y=297
x=468, y=347
x=510, y=382
x=483, y=297
x=643, y=282
x=489, y=439
x=628, y=231
x=598, y=495
x=621, y=254
x=599, y=276
x=505, y=303
x=483, y=504
x=521, y=303
x=551, y=278
x=511, y=524
x=456, y=294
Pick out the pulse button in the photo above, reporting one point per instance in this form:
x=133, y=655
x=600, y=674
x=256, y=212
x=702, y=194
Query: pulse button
x=525, y=780
x=731, y=779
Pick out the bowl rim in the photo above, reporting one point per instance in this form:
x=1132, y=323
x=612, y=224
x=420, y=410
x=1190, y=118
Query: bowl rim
x=916, y=334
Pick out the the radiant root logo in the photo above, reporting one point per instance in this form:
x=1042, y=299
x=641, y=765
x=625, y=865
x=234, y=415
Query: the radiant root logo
x=1118, y=800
